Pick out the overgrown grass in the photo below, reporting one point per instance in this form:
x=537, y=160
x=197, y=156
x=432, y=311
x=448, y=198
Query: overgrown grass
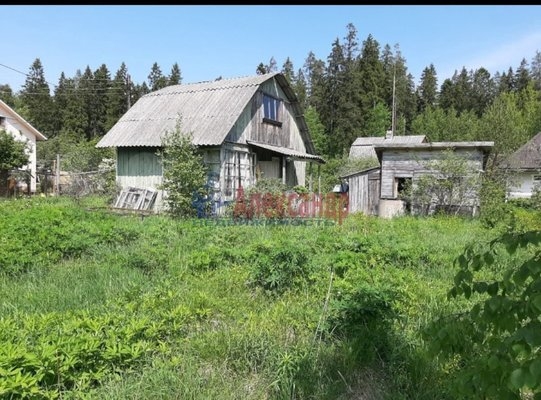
x=276, y=312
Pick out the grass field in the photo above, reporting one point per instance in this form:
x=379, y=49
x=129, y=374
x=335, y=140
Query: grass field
x=98, y=305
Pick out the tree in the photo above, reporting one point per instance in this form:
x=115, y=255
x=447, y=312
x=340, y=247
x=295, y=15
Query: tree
x=175, y=77
x=503, y=122
x=184, y=173
x=449, y=184
x=37, y=100
x=156, y=80
x=427, y=91
x=288, y=70
x=495, y=340
x=522, y=76
x=12, y=155
x=118, y=97
x=483, y=91
x=378, y=120
x=317, y=131
x=6, y=95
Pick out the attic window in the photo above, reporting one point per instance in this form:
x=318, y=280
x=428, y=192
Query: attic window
x=2, y=120
x=272, y=110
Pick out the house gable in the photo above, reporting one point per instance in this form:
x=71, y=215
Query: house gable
x=23, y=131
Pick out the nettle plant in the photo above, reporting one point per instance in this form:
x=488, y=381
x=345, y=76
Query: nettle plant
x=495, y=346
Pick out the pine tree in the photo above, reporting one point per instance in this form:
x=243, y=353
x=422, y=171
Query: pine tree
x=175, y=77
x=156, y=80
x=36, y=98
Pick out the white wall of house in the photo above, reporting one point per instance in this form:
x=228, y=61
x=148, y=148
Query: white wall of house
x=522, y=183
x=20, y=133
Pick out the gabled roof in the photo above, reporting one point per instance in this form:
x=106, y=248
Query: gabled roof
x=8, y=112
x=363, y=147
x=207, y=109
x=528, y=156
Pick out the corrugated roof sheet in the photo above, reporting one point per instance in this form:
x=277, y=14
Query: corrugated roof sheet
x=286, y=151
x=405, y=139
x=485, y=146
x=363, y=147
x=528, y=156
x=207, y=109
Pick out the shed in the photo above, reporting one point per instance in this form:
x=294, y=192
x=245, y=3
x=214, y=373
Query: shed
x=405, y=163
x=363, y=193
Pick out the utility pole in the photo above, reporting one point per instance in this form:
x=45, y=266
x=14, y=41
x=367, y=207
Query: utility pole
x=128, y=91
x=393, y=115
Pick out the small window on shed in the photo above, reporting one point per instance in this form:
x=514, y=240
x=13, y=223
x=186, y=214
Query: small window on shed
x=272, y=109
x=537, y=178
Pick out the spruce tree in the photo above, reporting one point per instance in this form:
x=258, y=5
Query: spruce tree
x=175, y=77
x=522, y=76
x=102, y=85
x=118, y=98
x=427, y=92
x=156, y=80
x=36, y=99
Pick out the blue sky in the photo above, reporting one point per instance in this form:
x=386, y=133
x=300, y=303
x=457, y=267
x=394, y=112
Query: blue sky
x=230, y=41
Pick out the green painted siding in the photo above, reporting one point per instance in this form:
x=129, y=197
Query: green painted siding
x=138, y=161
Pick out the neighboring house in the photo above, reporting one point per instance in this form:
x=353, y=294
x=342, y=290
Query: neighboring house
x=246, y=129
x=21, y=130
x=524, y=169
x=378, y=191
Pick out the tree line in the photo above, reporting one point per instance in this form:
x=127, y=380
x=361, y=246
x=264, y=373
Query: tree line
x=350, y=94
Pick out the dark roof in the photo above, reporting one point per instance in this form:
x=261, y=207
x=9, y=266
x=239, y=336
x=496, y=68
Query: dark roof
x=527, y=157
x=294, y=154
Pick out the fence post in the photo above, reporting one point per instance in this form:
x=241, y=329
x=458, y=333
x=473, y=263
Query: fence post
x=57, y=176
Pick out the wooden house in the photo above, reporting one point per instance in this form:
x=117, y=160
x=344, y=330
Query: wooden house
x=246, y=128
x=22, y=130
x=402, y=165
x=523, y=168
